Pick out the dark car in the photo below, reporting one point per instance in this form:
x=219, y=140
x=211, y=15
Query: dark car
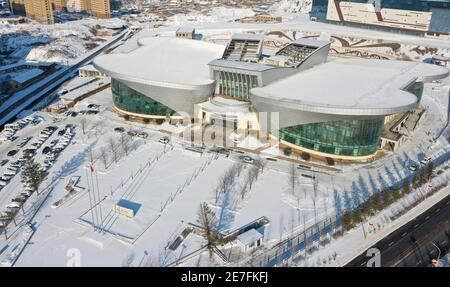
x=74, y=114
x=46, y=150
x=91, y=112
x=12, y=152
x=61, y=132
x=93, y=106
x=3, y=162
x=119, y=129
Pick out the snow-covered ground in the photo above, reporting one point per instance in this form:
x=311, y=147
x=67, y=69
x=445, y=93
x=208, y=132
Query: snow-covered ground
x=168, y=183
x=166, y=207
x=51, y=43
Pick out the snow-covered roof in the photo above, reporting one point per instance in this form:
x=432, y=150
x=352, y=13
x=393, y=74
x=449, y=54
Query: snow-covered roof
x=25, y=75
x=240, y=65
x=350, y=87
x=185, y=30
x=247, y=37
x=311, y=42
x=163, y=60
x=249, y=237
x=89, y=68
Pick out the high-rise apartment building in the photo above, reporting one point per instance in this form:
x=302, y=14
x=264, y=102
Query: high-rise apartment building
x=39, y=10
x=77, y=5
x=59, y=5
x=100, y=8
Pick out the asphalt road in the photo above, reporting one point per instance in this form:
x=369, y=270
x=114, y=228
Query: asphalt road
x=413, y=245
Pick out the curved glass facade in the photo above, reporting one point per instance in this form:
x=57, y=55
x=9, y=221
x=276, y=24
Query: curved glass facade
x=132, y=101
x=416, y=89
x=346, y=138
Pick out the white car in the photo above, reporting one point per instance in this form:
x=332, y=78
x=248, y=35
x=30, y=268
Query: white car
x=248, y=159
x=164, y=140
x=426, y=160
x=13, y=205
x=26, y=193
x=412, y=168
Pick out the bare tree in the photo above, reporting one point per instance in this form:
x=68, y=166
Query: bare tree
x=104, y=157
x=261, y=164
x=292, y=177
x=226, y=181
x=125, y=142
x=252, y=175
x=83, y=124
x=244, y=188
x=113, y=148
x=314, y=197
x=208, y=221
x=238, y=167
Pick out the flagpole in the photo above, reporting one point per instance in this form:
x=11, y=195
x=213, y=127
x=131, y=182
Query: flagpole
x=98, y=195
x=93, y=196
x=90, y=200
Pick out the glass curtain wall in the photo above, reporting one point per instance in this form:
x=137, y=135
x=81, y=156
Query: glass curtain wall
x=236, y=85
x=132, y=101
x=347, y=138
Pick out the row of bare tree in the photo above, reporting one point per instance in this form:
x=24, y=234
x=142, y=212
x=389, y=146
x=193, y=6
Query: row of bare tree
x=114, y=147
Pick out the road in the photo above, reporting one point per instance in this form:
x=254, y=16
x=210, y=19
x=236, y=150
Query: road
x=23, y=99
x=413, y=244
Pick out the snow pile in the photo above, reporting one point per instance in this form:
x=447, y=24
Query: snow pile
x=55, y=43
x=217, y=14
x=290, y=6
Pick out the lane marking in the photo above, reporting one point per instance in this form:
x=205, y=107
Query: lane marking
x=390, y=244
x=403, y=235
x=420, y=261
x=437, y=210
x=362, y=264
x=428, y=217
x=415, y=226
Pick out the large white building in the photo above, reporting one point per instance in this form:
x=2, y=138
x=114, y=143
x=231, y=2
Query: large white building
x=331, y=107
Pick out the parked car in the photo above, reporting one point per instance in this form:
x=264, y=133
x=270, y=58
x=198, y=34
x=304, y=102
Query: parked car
x=12, y=152
x=26, y=193
x=46, y=150
x=132, y=133
x=3, y=162
x=248, y=159
x=53, y=142
x=143, y=135
x=426, y=160
x=93, y=106
x=119, y=129
x=74, y=114
x=61, y=132
x=413, y=167
x=164, y=140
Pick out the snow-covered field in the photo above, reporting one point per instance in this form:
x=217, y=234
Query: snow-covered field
x=167, y=183
x=169, y=191
x=50, y=43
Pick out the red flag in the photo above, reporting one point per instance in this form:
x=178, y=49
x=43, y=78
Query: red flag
x=370, y=224
x=430, y=185
x=434, y=262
